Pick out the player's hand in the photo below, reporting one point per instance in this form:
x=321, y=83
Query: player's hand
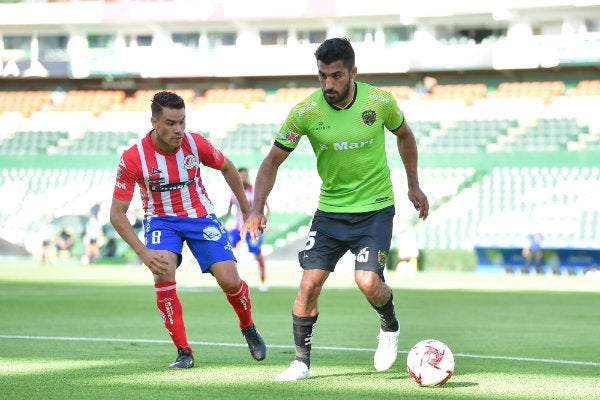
x=419, y=200
x=255, y=223
x=155, y=261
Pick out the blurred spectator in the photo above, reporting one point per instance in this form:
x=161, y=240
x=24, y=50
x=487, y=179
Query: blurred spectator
x=593, y=273
x=532, y=251
x=47, y=233
x=95, y=209
x=91, y=238
x=110, y=250
x=58, y=95
x=427, y=85
x=64, y=244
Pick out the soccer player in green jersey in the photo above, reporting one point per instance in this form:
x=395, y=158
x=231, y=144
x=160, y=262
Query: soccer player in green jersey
x=345, y=123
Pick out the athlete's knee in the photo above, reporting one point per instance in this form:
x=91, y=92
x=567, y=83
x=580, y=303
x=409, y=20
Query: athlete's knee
x=370, y=283
x=225, y=272
x=310, y=288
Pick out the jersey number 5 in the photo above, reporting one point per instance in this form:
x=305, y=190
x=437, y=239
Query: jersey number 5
x=310, y=241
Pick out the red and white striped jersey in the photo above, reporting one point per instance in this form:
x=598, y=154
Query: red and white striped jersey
x=239, y=217
x=170, y=184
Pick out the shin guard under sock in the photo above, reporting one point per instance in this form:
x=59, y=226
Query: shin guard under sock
x=240, y=300
x=304, y=328
x=389, y=322
x=171, y=312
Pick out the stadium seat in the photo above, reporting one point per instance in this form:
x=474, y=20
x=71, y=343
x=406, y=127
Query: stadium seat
x=543, y=90
x=465, y=91
x=585, y=88
x=243, y=96
x=292, y=95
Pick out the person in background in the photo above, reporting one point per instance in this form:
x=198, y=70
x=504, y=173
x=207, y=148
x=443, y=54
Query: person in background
x=165, y=164
x=345, y=123
x=254, y=246
x=64, y=244
x=95, y=209
x=426, y=85
x=91, y=238
x=58, y=95
x=48, y=234
x=532, y=251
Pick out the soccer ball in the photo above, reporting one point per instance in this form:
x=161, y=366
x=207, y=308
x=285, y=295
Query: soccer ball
x=430, y=363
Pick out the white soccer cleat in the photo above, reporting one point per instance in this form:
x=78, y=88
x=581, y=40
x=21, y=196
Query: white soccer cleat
x=296, y=371
x=387, y=350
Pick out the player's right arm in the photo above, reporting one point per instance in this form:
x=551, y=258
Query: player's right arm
x=154, y=260
x=129, y=169
x=265, y=180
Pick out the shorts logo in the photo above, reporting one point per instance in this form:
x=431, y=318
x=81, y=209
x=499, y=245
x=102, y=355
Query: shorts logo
x=190, y=161
x=363, y=255
x=211, y=233
x=369, y=117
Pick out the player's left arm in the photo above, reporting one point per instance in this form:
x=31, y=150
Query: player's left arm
x=233, y=179
x=407, y=147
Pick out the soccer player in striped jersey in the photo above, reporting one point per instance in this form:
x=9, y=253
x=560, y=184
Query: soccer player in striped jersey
x=345, y=123
x=254, y=246
x=165, y=164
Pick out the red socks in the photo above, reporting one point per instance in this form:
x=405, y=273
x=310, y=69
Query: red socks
x=240, y=300
x=261, y=269
x=171, y=312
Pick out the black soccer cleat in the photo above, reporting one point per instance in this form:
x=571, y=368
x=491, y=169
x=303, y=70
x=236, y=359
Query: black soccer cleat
x=256, y=344
x=184, y=359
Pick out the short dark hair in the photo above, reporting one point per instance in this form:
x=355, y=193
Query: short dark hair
x=166, y=99
x=242, y=169
x=335, y=49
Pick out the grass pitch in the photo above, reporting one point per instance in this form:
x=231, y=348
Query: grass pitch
x=94, y=333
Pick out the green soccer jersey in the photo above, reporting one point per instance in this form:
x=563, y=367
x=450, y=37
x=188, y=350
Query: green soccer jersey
x=349, y=145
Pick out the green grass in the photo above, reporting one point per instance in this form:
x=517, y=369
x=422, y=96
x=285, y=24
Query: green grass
x=94, y=333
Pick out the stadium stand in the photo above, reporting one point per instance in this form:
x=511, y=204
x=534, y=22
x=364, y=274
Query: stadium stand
x=465, y=134
x=94, y=101
x=544, y=90
x=25, y=102
x=464, y=91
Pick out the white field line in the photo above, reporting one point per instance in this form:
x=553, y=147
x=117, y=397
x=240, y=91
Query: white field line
x=281, y=346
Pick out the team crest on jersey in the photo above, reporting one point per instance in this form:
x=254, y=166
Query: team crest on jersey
x=369, y=117
x=190, y=161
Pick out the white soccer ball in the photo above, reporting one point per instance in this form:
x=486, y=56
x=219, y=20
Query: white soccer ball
x=430, y=363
